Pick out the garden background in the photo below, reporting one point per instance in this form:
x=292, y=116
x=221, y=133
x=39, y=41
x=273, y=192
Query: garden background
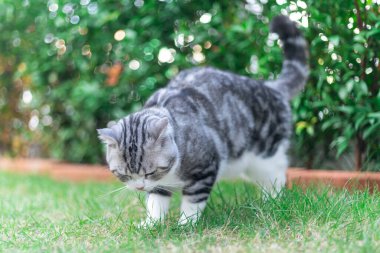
x=69, y=67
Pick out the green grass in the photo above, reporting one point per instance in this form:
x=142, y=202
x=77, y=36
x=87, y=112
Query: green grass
x=38, y=214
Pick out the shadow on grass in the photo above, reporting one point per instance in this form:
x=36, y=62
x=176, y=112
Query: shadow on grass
x=238, y=209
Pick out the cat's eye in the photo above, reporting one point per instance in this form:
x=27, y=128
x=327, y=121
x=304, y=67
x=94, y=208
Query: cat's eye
x=112, y=145
x=124, y=178
x=163, y=168
x=149, y=174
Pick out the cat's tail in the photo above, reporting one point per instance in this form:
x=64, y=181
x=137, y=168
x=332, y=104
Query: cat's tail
x=295, y=70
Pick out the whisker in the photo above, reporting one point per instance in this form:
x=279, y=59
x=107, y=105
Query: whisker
x=114, y=191
x=122, y=190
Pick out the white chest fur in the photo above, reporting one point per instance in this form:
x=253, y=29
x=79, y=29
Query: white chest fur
x=255, y=167
x=236, y=168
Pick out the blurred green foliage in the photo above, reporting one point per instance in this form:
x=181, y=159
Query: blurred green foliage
x=69, y=67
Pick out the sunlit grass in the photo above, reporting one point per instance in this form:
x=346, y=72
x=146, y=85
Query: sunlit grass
x=39, y=214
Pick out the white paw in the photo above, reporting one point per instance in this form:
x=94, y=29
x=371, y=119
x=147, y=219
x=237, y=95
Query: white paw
x=147, y=223
x=192, y=220
x=271, y=193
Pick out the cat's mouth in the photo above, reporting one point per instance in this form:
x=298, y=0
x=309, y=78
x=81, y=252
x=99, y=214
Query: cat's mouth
x=140, y=188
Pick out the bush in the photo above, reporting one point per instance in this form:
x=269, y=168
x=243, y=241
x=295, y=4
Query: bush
x=85, y=63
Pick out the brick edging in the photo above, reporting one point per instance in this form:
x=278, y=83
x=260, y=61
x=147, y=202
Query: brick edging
x=84, y=172
x=58, y=170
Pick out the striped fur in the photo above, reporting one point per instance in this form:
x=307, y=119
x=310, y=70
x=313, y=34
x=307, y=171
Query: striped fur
x=208, y=124
x=294, y=69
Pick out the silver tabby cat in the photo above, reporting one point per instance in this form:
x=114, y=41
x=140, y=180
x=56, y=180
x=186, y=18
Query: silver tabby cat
x=209, y=124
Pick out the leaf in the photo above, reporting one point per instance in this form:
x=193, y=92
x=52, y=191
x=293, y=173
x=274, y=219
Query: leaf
x=341, y=144
x=371, y=130
x=342, y=93
x=333, y=122
x=334, y=40
x=310, y=130
x=363, y=87
x=372, y=33
x=346, y=109
x=300, y=126
x=359, y=38
x=374, y=115
x=342, y=147
x=350, y=85
x=359, y=122
x=359, y=47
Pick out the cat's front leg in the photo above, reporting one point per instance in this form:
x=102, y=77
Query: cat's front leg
x=157, y=206
x=194, y=198
x=191, y=210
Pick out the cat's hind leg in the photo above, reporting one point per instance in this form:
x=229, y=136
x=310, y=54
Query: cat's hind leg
x=269, y=173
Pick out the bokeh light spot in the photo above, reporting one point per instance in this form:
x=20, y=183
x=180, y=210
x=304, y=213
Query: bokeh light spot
x=180, y=40
x=330, y=79
x=205, y=18
x=301, y=4
x=68, y=8
x=92, y=8
x=207, y=45
x=74, y=19
x=197, y=48
x=254, y=64
x=134, y=65
x=49, y=38
x=119, y=35
x=60, y=43
x=139, y=3
x=47, y=120
x=86, y=50
x=166, y=55
x=84, y=2
x=27, y=96
x=33, y=122
x=198, y=57
x=53, y=7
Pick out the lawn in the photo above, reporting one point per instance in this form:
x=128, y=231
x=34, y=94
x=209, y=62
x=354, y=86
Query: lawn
x=39, y=214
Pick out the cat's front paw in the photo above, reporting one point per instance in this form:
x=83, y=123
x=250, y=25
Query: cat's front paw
x=184, y=220
x=147, y=223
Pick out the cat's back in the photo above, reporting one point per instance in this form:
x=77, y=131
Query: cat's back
x=209, y=84
x=204, y=78
x=204, y=88
x=213, y=89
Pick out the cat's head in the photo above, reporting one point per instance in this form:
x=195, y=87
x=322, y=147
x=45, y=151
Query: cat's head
x=141, y=149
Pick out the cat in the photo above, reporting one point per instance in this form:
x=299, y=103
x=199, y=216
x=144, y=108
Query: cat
x=209, y=124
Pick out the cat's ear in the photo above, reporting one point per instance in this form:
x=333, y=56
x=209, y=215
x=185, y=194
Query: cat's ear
x=158, y=127
x=108, y=136
x=111, y=123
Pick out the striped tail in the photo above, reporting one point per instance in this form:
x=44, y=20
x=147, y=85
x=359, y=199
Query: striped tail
x=294, y=71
